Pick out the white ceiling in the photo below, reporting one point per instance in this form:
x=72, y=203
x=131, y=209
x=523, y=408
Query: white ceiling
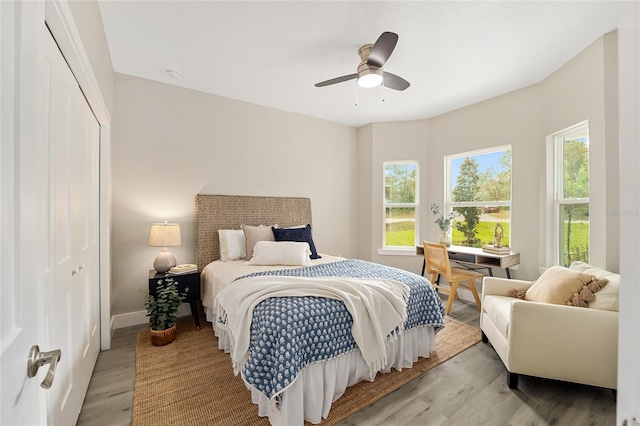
x=272, y=53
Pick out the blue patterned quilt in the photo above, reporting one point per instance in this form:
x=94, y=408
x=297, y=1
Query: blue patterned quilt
x=289, y=333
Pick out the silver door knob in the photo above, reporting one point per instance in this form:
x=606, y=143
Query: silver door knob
x=37, y=359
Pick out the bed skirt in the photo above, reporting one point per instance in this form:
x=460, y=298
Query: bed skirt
x=322, y=383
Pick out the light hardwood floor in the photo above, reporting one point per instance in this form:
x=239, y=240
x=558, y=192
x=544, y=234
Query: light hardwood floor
x=469, y=389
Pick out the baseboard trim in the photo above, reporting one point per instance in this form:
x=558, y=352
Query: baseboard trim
x=140, y=317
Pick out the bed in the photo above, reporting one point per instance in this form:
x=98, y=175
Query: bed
x=304, y=347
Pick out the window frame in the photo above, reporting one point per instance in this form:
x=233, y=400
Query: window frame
x=449, y=204
x=557, y=196
x=386, y=249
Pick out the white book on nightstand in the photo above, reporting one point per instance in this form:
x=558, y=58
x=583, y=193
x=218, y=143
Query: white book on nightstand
x=183, y=269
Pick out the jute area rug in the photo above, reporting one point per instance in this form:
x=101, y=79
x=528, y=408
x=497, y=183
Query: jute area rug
x=191, y=381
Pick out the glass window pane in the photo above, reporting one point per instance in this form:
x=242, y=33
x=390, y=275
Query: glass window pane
x=400, y=183
x=400, y=226
x=575, y=169
x=574, y=238
x=483, y=177
x=486, y=220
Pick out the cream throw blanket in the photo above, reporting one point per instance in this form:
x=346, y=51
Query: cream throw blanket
x=377, y=306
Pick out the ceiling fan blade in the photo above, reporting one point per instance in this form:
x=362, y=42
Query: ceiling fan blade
x=336, y=80
x=395, y=82
x=382, y=49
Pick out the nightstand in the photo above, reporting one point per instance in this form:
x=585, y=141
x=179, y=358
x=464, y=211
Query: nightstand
x=189, y=281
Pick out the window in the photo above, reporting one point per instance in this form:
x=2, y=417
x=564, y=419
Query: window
x=401, y=208
x=479, y=194
x=571, y=194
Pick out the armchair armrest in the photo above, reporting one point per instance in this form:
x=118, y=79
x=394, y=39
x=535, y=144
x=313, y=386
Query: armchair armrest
x=502, y=286
x=563, y=342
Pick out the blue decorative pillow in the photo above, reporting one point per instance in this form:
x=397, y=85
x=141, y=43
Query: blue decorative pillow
x=301, y=235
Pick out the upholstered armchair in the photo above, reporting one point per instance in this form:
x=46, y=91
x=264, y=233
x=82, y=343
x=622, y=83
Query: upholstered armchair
x=554, y=341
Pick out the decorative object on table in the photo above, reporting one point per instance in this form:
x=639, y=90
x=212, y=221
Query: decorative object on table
x=162, y=310
x=164, y=235
x=186, y=268
x=496, y=250
x=498, y=233
x=443, y=223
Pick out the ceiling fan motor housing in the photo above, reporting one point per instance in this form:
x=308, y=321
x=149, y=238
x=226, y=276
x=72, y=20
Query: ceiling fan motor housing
x=368, y=72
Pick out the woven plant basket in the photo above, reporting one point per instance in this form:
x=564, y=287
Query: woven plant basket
x=163, y=337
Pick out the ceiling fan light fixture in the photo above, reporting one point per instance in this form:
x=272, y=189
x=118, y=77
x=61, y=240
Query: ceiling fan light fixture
x=372, y=58
x=370, y=77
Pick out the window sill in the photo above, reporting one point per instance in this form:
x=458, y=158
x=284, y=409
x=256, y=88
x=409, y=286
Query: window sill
x=404, y=251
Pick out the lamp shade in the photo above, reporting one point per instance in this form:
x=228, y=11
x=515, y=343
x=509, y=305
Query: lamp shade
x=164, y=235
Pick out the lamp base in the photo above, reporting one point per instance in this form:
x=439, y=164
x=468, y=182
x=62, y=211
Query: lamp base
x=164, y=261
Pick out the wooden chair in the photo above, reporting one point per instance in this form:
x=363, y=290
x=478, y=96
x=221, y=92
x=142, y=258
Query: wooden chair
x=437, y=263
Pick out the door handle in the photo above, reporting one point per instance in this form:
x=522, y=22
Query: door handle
x=37, y=359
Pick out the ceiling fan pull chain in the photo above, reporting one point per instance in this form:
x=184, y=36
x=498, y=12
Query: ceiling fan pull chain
x=383, y=87
x=356, y=93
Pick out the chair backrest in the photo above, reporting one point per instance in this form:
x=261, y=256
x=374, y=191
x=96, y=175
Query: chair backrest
x=436, y=258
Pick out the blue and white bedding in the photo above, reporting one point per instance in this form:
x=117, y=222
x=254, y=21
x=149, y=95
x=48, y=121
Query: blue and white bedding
x=290, y=333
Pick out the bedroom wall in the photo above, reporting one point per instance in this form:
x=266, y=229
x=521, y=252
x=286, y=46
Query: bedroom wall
x=364, y=171
x=88, y=19
x=512, y=119
x=391, y=141
x=584, y=88
x=159, y=126
x=170, y=144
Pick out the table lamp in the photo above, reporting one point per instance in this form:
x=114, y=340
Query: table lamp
x=164, y=235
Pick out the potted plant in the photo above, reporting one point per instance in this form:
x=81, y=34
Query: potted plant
x=162, y=310
x=443, y=223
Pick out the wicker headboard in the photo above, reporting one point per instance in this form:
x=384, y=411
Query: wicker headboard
x=215, y=212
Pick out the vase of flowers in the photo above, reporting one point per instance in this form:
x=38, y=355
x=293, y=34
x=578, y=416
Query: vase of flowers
x=444, y=223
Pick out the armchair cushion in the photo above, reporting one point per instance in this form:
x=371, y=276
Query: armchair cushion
x=607, y=298
x=558, y=285
x=498, y=308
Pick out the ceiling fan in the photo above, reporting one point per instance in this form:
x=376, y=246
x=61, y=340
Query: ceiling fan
x=372, y=58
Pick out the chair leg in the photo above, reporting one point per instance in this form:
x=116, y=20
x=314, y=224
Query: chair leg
x=472, y=287
x=453, y=293
x=512, y=380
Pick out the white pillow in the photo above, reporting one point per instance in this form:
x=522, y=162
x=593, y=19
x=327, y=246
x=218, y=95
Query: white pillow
x=287, y=253
x=232, y=244
x=608, y=297
x=253, y=234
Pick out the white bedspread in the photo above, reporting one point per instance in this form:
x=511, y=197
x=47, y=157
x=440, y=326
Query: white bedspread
x=377, y=307
x=218, y=274
x=320, y=384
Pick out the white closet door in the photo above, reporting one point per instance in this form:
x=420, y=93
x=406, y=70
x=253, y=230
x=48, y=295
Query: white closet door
x=72, y=268
x=22, y=400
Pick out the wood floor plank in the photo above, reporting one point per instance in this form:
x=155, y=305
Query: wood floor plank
x=109, y=399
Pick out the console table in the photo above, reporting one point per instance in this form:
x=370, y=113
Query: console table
x=476, y=258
